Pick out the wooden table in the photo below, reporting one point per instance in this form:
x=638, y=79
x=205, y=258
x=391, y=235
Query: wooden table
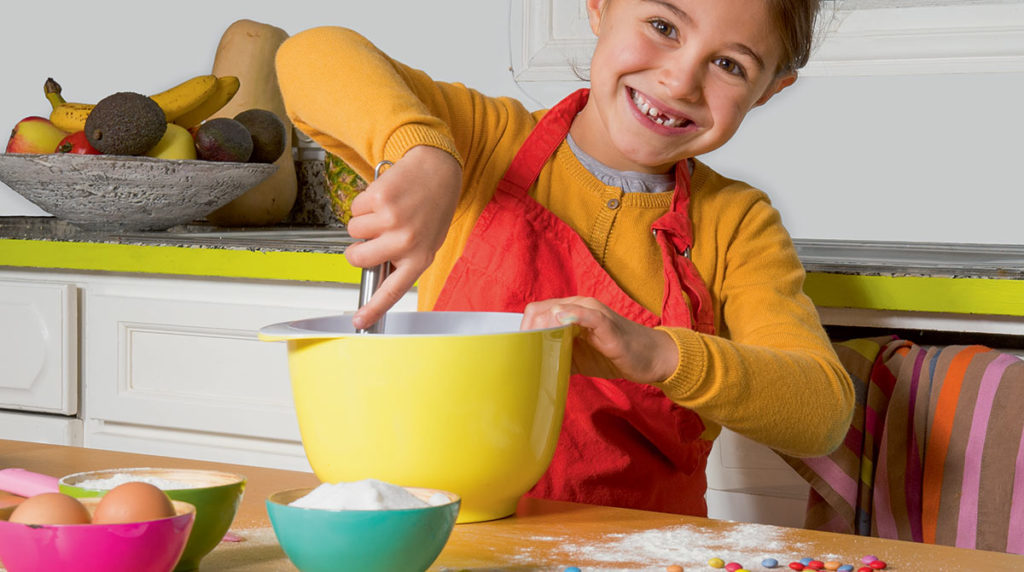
x=543, y=535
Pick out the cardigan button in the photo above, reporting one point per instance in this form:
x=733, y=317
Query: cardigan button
x=612, y=204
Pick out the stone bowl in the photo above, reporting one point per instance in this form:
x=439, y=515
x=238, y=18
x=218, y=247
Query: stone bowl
x=127, y=193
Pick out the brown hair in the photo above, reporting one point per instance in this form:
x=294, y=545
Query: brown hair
x=794, y=22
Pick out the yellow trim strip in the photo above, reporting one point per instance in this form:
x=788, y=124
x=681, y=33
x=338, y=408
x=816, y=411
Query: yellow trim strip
x=301, y=266
x=917, y=293
x=903, y=293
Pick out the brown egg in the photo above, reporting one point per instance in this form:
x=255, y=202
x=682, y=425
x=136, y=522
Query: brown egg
x=132, y=502
x=50, y=508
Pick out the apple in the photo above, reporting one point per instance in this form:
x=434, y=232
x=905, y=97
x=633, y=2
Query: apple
x=177, y=143
x=34, y=135
x=76, y=143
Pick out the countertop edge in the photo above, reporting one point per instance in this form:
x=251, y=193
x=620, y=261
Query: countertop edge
x=899, y=276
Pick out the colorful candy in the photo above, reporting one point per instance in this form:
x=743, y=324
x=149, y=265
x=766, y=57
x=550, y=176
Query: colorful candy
x=872, y=563
x=572, y=569
x=674, y=568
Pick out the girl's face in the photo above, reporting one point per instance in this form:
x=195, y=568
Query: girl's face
x=672, y=79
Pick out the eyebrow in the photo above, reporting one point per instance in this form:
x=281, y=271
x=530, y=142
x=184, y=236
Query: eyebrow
x=745, y=49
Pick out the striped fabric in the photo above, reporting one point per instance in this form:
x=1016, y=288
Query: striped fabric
x=935, y=452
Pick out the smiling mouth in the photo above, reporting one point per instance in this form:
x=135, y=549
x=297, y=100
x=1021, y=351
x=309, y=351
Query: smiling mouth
x=656, y=115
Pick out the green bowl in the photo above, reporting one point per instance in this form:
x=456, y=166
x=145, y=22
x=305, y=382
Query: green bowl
x=216, y=496
x=396, y=540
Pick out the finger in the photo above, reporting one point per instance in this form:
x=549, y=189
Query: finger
x=387, y=295
x=363, y=202
x=366, y=226
x=364, y=254
x=537, y=315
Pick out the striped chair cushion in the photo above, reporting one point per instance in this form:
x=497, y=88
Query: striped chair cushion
x=934, y=453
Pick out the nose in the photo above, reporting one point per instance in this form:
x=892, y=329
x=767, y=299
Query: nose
x=682, y=75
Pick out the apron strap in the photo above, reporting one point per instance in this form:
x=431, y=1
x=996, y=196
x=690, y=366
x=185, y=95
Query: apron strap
x=541, y=143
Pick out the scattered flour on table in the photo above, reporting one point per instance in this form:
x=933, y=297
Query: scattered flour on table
x=683, y=544
x=121, y=478
x=368, y=494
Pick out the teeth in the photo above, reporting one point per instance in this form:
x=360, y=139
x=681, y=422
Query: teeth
x=645, y=107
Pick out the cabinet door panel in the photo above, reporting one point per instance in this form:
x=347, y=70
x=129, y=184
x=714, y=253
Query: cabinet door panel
x=187, y=365
x=38, y=346
x=185, y=355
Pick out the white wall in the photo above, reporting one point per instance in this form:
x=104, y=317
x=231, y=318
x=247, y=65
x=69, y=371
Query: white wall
x=928, y=158
x=906, y=156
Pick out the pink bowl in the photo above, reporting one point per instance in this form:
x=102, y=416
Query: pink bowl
x=149, y=546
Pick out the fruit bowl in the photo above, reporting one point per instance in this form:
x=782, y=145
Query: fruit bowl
x=127, y=193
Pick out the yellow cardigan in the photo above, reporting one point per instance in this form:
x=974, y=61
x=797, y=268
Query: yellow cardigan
x=770, y=373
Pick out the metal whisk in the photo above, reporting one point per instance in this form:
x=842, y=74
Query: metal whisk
x=373, y=277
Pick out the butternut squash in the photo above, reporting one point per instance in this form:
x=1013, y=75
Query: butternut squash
x=247, y=51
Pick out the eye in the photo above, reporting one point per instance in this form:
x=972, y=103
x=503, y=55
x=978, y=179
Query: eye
x=730, y=66
x=662, y=27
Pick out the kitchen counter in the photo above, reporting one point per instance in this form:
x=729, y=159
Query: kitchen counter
x=300, y=253
x=927, y=277
x=543, y=535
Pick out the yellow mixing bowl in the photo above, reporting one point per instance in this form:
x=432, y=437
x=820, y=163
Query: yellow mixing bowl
x=458, y=401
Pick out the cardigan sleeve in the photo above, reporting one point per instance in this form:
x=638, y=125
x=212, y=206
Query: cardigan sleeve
x=771, y=373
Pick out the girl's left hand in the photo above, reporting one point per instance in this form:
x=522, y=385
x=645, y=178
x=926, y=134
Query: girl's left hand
x=608, y=345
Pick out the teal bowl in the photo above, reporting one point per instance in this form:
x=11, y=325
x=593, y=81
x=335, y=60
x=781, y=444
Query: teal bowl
x=397, y=540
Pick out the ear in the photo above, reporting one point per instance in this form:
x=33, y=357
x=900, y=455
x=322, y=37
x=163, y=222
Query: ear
x=778, y=84
x=595, y=9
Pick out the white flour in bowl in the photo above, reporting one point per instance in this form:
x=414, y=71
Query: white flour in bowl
x=368, y=494
x=108, y=483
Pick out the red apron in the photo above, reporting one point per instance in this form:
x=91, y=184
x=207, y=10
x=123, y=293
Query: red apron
x=622, y=443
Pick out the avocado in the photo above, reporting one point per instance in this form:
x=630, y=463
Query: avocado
x=223, y=139
x=269, y=134
x=125, y=123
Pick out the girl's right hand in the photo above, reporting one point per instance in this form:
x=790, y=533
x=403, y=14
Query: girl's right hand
x=403, y=217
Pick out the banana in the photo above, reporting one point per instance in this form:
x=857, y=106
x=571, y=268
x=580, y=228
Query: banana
x=66, y=116
x=227, y=87
x=71, y=117
x=185, y=96
x=176, y=101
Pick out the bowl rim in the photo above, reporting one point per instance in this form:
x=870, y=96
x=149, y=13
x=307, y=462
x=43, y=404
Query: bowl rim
x=182, y=509
x=101, y=158
x=276, y=498
x=232, y=479
x=313, y=328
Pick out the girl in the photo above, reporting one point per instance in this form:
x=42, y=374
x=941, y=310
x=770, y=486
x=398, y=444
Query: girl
x=685, y=286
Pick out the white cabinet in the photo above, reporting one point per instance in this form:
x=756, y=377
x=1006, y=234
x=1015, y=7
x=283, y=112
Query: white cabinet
x=38, y=346
x=748, y=482
x=169, y=365
x=51, y=429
